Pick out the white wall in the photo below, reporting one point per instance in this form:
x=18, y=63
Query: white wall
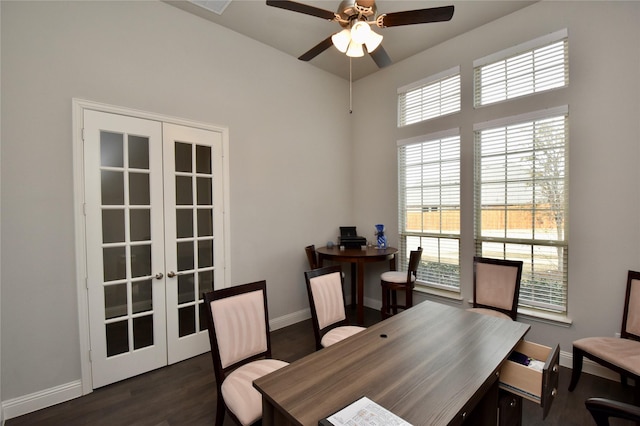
x=289, y=155
x=604, y=110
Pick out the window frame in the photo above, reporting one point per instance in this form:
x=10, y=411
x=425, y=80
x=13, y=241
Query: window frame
x=445, y=102
x=533, y=277
x=513, y=62
x=411, y=239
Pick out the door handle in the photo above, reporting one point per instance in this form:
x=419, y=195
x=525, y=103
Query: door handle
x=172, y=274
x=159, y=276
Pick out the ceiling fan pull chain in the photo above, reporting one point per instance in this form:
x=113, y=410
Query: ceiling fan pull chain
x=350, y=94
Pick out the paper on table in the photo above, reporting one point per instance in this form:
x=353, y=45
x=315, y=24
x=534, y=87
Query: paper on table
x=365, y=412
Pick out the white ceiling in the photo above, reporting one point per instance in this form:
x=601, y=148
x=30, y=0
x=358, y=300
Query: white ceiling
x=295, y=33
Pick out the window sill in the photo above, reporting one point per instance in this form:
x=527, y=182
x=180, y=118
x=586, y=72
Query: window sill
x=551, y=318
x=449, y=295
x=530, y=314
x=545, y=317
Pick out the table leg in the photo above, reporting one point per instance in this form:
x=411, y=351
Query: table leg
x=360, y=293
x=268, y=413
x=354, y=300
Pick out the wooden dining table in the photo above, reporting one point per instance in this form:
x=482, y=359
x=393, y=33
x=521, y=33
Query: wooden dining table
x=433, y=364
x=358, y=257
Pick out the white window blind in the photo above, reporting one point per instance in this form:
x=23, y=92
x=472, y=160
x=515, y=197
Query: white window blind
x=432, y=97
x=521, y=195
x=537, y=66
x=429, y=206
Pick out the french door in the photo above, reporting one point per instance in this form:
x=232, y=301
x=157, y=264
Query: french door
x=153, y=221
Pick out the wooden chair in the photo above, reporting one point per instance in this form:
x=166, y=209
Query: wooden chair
x=393, y=281
x=602, y=409
x=312, y=256
x=496, y=287
x=326, y=299
x=617, y=354
x=240, y=348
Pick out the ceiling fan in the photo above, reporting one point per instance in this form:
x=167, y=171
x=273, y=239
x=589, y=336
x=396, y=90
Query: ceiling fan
x=353, y=16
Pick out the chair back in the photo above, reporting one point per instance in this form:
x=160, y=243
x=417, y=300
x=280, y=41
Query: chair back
x=602, y=409
x=496, y=284
x=414, y=262
x=631, y=317
x=326, y=299
x=238, y=326
x=312, y=256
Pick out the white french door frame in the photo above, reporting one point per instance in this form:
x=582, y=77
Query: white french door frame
x=78, y=108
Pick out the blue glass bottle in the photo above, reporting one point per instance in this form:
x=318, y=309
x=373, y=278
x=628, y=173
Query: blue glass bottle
x=382, y=239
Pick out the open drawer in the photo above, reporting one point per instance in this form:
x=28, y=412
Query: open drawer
x=533, y=384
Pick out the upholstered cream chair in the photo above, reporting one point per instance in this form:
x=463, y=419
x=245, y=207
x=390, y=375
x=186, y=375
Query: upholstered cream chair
x=394, y=281
x=326, y=299
x=240, y=348
x=621, y=355
x=496, y=287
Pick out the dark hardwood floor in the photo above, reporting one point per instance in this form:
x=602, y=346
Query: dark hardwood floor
x=184, y=393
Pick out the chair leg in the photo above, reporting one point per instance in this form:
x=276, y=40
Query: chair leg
x=220, y=409
x=577, y=368
x=384, y=311
x=394, y=301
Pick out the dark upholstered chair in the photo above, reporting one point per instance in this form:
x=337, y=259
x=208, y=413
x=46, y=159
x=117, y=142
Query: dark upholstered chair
x=394, y=281
x=241, y=349
x=312, y=256
x=326, y=300
x=621, y=355
x=496, y=287
x=603, y=409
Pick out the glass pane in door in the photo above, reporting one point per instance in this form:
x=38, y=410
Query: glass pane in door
x=142, y=331
x=117, y=338
x=141, y=293
x=111, y=149
x=186, y=288
x=115, y=300
x=140, y=224
x=113, y=226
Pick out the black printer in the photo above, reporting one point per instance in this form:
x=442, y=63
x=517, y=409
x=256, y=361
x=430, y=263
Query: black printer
x=349, y=238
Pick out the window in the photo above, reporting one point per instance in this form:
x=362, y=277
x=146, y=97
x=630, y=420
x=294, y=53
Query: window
x=429, y=190
x=432, y=97
x=536, y=66
x=521, y=194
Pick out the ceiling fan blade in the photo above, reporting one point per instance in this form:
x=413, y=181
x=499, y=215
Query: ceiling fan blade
x=420, y=16
x=317, y=49
x=302, y=8
x=380, y=57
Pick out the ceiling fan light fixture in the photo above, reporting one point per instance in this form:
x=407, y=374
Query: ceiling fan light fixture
x=341, y=40
x=360, y=32
x=373, y=41
x=355, y=50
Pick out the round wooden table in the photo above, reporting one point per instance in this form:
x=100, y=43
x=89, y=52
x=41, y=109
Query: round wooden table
x=357, y=257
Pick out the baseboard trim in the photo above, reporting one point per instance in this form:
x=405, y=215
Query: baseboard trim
x=290, y=319
x=16, y=407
